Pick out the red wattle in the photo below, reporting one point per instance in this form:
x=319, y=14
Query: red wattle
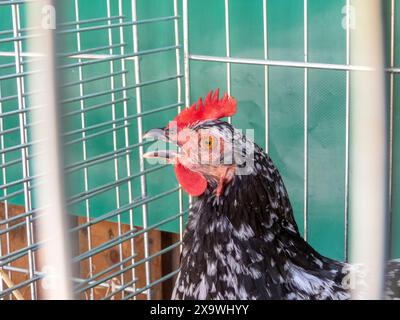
x=192, y=182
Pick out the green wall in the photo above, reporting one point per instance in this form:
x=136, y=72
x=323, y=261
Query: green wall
x=326, y=102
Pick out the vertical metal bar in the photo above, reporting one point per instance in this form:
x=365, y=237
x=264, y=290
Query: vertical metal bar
x=140, y=140
x=52, y=227
x=266, y=78
x=26, y=138
x=115, y=143
x=305, y=212
x=228, y=51
x=24, y=151
x=186, y=50
x=179, y=95
x=127, y=144
x=84, y=150
x=368, y=162
x=346, y=182
x=391, y=114
x=5, y=202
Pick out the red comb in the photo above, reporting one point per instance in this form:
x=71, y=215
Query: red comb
x=213, y=108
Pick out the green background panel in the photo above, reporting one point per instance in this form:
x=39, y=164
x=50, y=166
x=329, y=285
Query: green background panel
x=286, y=89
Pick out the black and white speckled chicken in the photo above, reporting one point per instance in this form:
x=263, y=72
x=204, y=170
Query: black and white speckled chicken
x=241, y=239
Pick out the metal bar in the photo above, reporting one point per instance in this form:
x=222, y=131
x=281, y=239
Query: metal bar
x=121, y=238
x=134, y=204
x=228, y=50
x=147, y=287
x=74, y=279
x=22, y=124
x=108, y=186
x=91, y=79
x=186, y=56
x=11, y=2
x=368, y=161
x=158, y=253
x=305, y=182
x=91, y=50
x=98, y=58
x=280, y=63
x=140, y=139
x=132, y=266
x=52, y=228
x=180, y=103
x=124, y=119
x=391, y=116
x=127, y=145
x=119, y=24
x=4, y=178
x=91, y=108
x=346, y=182
x=20, y=285
x=102, y=158
x=266, y=78
x=114, y=140
x=98, y=94
x=84, y=149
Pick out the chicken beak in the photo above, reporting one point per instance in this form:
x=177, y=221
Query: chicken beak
x=168, y=156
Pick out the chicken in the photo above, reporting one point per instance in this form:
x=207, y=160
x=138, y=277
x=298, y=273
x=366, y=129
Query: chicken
x=241, y=239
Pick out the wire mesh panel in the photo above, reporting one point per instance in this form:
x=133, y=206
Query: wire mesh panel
x=126, y=66
x=109, y=95
x=292, y=82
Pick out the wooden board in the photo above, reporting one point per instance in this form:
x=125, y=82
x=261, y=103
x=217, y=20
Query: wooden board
x=101, y=233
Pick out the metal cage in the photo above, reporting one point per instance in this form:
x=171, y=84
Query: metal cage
x=103, y=61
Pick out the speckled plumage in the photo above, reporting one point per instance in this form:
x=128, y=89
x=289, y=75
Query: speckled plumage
x=245, y=244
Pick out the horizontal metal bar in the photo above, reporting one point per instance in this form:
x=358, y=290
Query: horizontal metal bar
x=280, y=63
x=19, y=216
x=119, y=239
x=94, y=107
x=91, y=79
x=109, y=186
x=70, y=23
x=18, y=75
x=122, y=209
x=74, y=279
x=393, y=70
x=16, y=193
x=120, y=89
x=161, y=252
x=20, y=285
x=16, y=112
x=20, y=38
x=107, y=57
x=10, y=163
x=91, y=50
x=92, y=283
x=12, y=256
x=97, y=134
x=17, y=147
x=8, y=131
x=11, y=2
x=11, y=195
x=12, y=65
x=78, y=22
x=136, y=234
x=103, y=157
x=17, y=182
x=118, y=25
x=147, y=287
x=112, y=122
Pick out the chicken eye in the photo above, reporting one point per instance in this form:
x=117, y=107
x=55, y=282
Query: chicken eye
x=208, y=142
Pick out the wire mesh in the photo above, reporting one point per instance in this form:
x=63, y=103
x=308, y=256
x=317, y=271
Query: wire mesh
x=115, y=93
